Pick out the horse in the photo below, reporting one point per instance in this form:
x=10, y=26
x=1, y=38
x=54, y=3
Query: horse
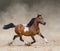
x=31, y=29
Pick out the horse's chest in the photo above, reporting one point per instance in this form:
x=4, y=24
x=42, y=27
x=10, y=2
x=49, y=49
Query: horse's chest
x=37, y=30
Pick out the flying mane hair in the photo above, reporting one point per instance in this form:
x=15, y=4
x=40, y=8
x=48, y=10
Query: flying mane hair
x=31, y=22
x=39, y=15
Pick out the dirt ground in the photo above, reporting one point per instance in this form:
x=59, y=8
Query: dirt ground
x=22, y=11
x=7, y=35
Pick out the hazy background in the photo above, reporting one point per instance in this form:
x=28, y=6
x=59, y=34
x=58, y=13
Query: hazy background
x=21, y=11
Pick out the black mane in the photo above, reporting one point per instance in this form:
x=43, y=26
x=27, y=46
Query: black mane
x=31, y=22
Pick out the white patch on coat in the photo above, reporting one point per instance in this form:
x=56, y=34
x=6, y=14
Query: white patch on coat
x=25, y=28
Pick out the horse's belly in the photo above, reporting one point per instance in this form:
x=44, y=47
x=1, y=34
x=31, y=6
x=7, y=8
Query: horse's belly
x=28, y=33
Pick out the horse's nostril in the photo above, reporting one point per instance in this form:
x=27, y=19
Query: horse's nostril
x=44, y=23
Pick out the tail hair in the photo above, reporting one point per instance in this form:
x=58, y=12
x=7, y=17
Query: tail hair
x=10, y=25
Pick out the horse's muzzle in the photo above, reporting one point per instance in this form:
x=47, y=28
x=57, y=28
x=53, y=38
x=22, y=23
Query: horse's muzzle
x=44, y=23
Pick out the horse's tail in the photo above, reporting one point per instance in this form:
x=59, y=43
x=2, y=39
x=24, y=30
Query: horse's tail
x=10, y=25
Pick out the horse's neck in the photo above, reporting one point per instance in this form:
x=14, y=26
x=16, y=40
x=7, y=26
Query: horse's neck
x=35, y=24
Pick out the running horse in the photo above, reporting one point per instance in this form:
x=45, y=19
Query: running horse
x=31, y=29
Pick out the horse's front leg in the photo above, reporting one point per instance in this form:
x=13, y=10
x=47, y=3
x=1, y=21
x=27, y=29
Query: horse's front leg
x=28, y=44
x=33, y=39
x=43, y=38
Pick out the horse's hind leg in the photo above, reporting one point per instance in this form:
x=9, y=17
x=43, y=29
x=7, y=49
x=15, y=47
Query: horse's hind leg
x=21, y=38
x=15, y=36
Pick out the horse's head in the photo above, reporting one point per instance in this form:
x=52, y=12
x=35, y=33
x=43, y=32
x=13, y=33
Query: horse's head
x=40, y=19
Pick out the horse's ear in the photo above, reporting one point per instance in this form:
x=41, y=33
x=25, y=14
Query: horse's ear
x=39, y=15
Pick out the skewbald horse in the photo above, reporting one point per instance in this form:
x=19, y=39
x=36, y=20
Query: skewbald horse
x=33, y=27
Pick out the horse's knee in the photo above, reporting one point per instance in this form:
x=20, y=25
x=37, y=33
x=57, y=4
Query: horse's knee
x=21, y=38
x=15, y=36
x=42, y=36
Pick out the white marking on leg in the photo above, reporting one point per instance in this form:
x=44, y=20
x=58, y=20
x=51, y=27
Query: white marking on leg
x=10, y=43
x=26, y=42
x=46, y=40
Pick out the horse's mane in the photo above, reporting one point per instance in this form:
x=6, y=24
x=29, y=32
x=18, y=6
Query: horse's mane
x=31, y=22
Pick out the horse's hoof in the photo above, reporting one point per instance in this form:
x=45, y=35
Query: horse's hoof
x=28, y=44
x=9, y=44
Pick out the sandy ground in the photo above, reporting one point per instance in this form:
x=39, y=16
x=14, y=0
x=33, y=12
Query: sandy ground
x=40, y=45
x=21, y=12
